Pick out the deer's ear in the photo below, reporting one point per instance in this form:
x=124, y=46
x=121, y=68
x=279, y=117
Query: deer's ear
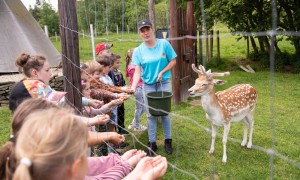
x=218, y=82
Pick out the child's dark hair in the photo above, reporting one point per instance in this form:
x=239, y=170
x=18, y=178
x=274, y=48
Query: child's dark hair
x=114, y=58
x=104, y=60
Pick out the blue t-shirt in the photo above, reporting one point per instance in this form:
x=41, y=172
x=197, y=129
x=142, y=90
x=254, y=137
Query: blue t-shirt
x=153, y=60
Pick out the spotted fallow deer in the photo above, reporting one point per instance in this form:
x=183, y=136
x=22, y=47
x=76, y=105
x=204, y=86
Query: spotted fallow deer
x=231, y=105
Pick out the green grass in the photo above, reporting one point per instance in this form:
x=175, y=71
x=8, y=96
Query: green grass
x=4, y=124
x=277, y=126
x=122, y=42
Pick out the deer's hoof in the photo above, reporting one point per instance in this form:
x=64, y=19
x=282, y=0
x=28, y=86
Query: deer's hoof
x=211, y=151
x=224, y=161
x=243, y=143
x=249, y=145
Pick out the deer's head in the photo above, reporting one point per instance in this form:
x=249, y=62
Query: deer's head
x=205, y=82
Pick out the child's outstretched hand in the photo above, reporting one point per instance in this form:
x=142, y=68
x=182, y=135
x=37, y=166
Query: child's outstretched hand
x=101, y=119
x=136, y=157
x=152, y=167
x=116, y=102
x=116, y=138
x=95, y=103
x=128, y=154
x=127, y=89
x=123, y=95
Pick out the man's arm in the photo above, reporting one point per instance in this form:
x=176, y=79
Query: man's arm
x=168, y=67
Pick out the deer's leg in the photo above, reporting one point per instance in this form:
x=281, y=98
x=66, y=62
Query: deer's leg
x=250, y=119
x=213, y=138
x=225, y=136
x=246, y=126
x=249, y=145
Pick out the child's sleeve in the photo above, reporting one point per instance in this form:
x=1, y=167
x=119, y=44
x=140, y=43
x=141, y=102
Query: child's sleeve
x=107, y=167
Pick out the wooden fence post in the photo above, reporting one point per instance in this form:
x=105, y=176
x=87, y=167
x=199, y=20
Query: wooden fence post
x=70, y=52
x=200, y=45
x=218, y=45
x=207, y=47
x=174, y=33
x=211, y=37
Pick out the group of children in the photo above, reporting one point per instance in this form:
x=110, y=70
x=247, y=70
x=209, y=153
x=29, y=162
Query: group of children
x=115, y=77
x=103, y=80
x=56, y=139
x=50, y=142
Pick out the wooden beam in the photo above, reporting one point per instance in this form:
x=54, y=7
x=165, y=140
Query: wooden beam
x=70, y=52
x=174, y=33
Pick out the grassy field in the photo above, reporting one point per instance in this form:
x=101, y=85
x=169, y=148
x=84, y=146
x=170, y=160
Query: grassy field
x=277, y=125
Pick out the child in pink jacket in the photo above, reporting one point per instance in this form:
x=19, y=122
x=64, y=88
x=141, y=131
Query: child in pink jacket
x=139, y=100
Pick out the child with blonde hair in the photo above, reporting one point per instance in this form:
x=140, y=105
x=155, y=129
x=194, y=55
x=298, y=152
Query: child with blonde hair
x=54, y=147
x=111, y=100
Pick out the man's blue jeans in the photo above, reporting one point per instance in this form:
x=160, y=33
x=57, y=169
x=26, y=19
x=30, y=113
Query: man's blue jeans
x=152, y=121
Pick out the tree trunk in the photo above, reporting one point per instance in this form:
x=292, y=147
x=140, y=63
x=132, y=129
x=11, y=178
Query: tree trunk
x=267, y=44
x=253, y=45
x=151, y=12
x=297, y=46
x=211, y=48
x=276, y=46
x=261, y=44
x=200, y=44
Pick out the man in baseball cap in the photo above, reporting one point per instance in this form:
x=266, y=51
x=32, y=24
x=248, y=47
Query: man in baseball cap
x=144, y=23
x=153, y=60
x=103, y=49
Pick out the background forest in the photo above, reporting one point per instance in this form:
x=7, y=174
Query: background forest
x=246, y=19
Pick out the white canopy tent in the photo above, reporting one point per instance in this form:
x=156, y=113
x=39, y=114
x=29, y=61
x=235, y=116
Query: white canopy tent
x=19, y=32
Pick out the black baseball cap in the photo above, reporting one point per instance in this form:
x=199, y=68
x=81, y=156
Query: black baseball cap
x=144, y=23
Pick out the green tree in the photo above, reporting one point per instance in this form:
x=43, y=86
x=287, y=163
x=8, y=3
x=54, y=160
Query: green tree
x=104, y=13
x=289, y=20
x=162, y=15
x=46, y=15
x=252, y=16
x=100, y=13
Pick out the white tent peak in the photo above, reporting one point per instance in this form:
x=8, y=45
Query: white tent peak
x=19, y=32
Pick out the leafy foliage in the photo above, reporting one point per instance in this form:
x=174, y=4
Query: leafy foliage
x=46, y=15
x=110, y=14
x=253, y=16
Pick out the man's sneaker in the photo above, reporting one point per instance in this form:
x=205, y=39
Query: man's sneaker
x=140, y=128
x=131, y=126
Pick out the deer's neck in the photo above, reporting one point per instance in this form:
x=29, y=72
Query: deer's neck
x=210, y=101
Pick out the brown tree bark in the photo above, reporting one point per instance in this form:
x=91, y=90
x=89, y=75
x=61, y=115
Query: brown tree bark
x=151, y=10
x=254, y=46
x=70, y=52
